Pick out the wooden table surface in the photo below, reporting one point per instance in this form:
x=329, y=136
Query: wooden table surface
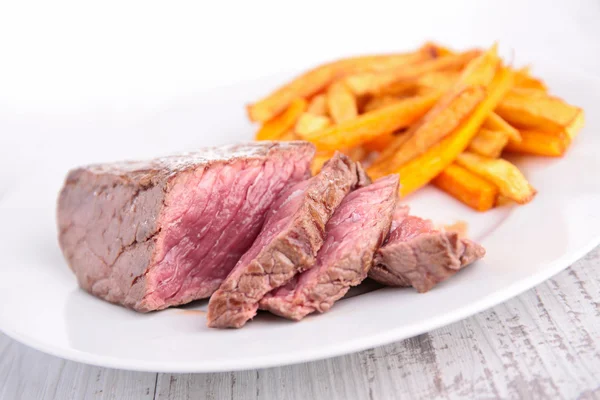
x=544, y=343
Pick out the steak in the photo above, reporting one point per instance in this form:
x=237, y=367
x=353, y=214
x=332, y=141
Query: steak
x=154, y=234
x=418, y=255
x=354, y=232
x=288, y=243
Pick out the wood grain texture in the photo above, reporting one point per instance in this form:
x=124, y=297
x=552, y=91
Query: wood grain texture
x=542, y=344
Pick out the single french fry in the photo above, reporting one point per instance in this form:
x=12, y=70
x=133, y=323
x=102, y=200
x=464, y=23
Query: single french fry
x=318, y=105
x=488, y=143
x=481, y=70
x=438, y=80
x=341, y=103
x=368, y=126
x=530, y=109
x=496, y=123
x=373, y=83
x=308, y=123
x=523, y=79
x=420, y=171
x=317, y=79
x=375, y=103
x=275, y=128
x=540, y=144
x=403, y=88
x=510, y=181
x=380, y=142
x=573, y=128
x=467, y=187
x=439, y=122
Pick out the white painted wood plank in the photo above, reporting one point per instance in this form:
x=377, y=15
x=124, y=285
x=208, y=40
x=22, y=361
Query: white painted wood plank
x=542, y=344
x=29, y=374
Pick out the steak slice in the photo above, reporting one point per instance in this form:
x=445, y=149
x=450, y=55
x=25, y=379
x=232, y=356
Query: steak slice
x=416, y=254
x=354, y=232
x=288, y=243
x=159, y=233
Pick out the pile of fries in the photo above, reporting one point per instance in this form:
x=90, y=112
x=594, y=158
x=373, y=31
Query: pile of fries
x=431, y=116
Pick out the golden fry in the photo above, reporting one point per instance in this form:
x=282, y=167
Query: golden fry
x=540, y=144
x=380, y=143
x=309, y=123
x=532, y=109
x=275, y=128
x=496, y=123
x=341, y=103
x=373, y=83
x=439, y=122
x=510, y=181
x=372, y=124
x=438, y=80
x=523, y=79
x=318, y=105
x=467, y=187
x=488, y=143
x=420, y=171
x=456, y=104
x=375, y=103
x=317, y=79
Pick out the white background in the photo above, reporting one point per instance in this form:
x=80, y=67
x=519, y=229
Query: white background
x=107, y=60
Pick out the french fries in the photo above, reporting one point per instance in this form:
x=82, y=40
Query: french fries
x=524, y=80
x=488, y=143
x=314, y=81
x=510, y=181
x=373, y=83
x=540, y=144
x=467, y=187
x=533, y=109
x=432, y=116
x=341, y=103
x=420, y=171
x=372, y=124
x=438, y=123
x=275, y=128
x=457, y=103
x=496, y=123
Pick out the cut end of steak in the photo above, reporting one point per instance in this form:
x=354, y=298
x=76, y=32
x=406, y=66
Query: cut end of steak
x=288, y=243
x=416, y=254
x=153, y=234
x=354, y=232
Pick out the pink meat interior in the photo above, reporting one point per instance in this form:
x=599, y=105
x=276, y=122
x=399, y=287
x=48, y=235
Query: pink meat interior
x=211, y=217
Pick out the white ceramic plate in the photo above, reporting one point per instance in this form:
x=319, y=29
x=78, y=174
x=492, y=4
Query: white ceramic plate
x=42, y=306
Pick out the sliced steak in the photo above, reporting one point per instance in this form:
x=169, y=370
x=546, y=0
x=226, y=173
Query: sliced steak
x=416, y=254
x=288, y=243
x=356, y=230
x=149, y=235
